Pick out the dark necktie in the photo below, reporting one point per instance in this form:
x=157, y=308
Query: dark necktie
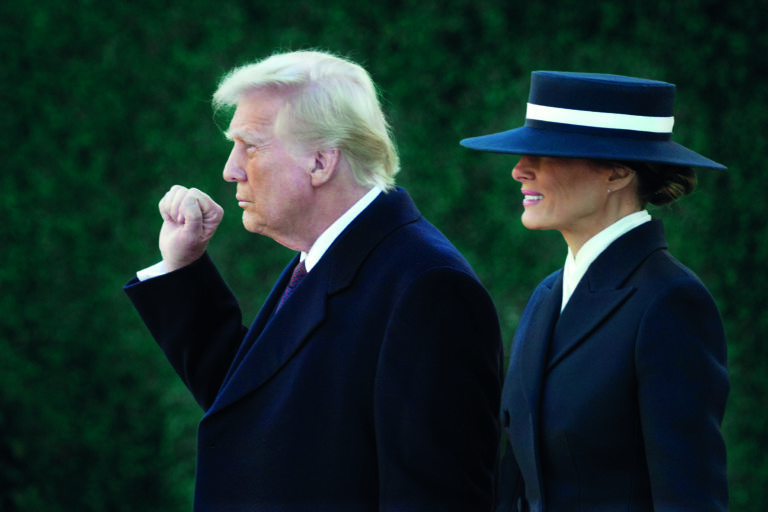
x=298, y=274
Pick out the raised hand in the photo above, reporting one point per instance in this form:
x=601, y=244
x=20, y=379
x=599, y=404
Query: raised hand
x=190, y=218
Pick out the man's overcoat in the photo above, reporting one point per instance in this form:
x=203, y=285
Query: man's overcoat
x=376, y=386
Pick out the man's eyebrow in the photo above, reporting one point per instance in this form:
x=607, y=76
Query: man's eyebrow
x=243, y=134
x=233, y=134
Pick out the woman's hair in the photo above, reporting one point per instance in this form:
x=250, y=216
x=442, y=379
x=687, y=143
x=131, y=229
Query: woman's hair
x=330, y=103
x=658, y=183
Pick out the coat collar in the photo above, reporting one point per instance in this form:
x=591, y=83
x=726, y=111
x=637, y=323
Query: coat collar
x=388, y=212
x=274, y=338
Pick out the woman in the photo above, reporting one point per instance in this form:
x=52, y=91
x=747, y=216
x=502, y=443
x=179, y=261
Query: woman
x=617, y=379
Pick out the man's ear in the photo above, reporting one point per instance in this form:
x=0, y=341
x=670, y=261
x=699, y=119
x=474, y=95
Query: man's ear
x=326, y=162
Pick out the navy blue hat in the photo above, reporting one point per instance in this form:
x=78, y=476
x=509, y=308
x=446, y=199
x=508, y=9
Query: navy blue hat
x=588, y=115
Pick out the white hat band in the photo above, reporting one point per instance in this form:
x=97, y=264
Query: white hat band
x=600, y=119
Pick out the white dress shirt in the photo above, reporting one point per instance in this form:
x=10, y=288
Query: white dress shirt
x=576, y=267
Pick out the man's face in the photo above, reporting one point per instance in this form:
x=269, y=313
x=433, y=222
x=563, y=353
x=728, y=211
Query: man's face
x=272, y=173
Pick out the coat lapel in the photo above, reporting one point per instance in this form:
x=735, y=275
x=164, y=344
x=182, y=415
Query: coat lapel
x=584, y=311
x=275, y=338
x=601, y=289
x=265, y=350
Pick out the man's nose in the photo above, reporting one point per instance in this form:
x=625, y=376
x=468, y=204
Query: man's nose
x=232, y=169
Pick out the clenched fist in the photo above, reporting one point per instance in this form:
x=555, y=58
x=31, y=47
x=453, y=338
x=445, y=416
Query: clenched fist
x=190, y=220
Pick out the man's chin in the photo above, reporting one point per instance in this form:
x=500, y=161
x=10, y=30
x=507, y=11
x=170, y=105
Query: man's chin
x=252, y=225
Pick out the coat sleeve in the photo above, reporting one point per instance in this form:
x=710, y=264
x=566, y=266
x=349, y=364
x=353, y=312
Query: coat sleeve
x=195, y=319
x=682, y=390
x=437, y=394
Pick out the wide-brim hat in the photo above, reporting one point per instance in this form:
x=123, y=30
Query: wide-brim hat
x=596, y=116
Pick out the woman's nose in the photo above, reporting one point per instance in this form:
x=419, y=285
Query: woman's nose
x=522, y=172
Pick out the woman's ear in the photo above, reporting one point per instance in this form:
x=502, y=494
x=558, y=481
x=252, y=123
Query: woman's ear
x=325, y=164
x=620, y=177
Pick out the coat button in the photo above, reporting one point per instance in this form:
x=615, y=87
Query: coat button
x=505, y=418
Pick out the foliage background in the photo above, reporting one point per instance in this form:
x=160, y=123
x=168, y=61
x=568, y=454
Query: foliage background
x=106, y=104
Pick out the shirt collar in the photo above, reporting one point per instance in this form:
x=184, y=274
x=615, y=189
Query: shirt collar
x=328, y=236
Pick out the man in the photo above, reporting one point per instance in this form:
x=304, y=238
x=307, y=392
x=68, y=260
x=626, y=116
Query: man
x=376, y=384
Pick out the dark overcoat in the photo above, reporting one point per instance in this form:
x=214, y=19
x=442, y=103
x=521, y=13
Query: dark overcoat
x=616, y=404
x=376, y=386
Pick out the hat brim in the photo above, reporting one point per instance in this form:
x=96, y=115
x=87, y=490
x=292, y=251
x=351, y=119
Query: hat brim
x=534, y=141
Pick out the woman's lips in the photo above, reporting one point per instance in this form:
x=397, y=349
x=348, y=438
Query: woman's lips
x=531, y=197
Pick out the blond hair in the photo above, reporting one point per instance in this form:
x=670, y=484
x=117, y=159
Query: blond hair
x=331, y=102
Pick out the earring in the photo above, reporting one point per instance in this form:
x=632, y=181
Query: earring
x=609, y=191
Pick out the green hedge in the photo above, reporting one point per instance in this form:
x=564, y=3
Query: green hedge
x=106, y=104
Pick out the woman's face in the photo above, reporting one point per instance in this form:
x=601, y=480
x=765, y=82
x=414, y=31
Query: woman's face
x=569, y=195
